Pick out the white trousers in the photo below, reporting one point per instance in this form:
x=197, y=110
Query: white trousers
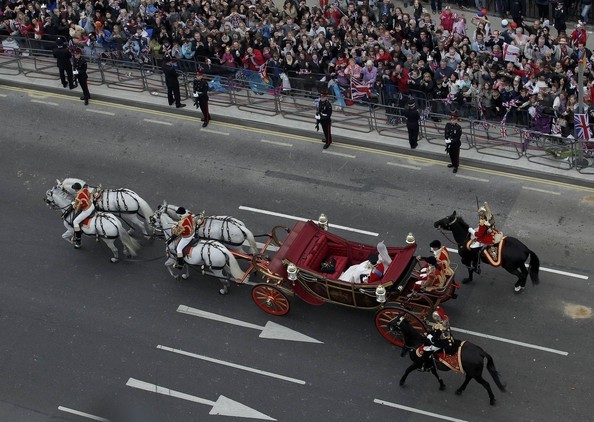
x=183, y=242
x=81, y=217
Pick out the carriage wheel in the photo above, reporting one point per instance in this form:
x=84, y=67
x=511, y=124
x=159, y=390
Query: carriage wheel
x=385, y=316
x=279, y=240
x=270, y=299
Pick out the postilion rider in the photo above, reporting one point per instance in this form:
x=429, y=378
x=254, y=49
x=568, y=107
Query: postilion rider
x=485, y=234
x=84, y=206
x=439, y=338
x=185, y=229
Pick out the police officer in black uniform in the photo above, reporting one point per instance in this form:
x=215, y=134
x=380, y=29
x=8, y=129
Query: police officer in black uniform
x=412, y=116
x=170, y=71
x=79, y=65
x=63, y=58
x=323, y=118
x=201, y=96
x=453, y=135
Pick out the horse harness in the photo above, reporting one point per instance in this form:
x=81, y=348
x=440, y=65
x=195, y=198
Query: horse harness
x=120, y=200
x=226, y=222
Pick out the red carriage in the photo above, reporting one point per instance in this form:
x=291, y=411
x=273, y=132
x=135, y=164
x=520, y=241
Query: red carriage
x=294, y=270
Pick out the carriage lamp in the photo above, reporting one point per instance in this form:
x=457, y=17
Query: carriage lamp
x=380, y=294
x=323, y=222
x=410, y=239
x=292, y=272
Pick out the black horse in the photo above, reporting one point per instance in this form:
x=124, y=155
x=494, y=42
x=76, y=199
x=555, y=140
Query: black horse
x=472, y=358
x=513, y=255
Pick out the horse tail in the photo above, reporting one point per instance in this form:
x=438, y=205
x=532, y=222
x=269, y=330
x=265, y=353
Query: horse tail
x=129, y=242
x=251, y=240
x=534, y=267
x=492, y=370
x=234, y=267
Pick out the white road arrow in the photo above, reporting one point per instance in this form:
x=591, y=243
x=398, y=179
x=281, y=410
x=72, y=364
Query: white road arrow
x=270, y=330
x=223, y=406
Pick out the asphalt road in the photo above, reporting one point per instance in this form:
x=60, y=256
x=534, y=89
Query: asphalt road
x=76, y=328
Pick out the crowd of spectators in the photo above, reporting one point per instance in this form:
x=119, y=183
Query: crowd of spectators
x=430, y=53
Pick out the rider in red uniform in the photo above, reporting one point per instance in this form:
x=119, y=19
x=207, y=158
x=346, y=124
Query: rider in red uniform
x=485, y=233
x=84, y=206
x=185, y=229
x=442, y=255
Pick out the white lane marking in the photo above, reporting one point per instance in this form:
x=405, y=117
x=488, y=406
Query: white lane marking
x=3, y=95
x=232, y=365
x=271, y=330
x=406, y=166
x=517, y=343
x=477, y=179
x=45, y=102
x=83, y=414
x=109, y=113
x=541, y=190
x=159, y=122
x=223, y=406
x=216, y=132
x=545, y=269
x=412, y=409
x=339, y=154
x=292, y=217
x=282, y=144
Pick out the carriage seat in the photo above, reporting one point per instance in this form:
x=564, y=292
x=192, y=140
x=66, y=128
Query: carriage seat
x=319, y=252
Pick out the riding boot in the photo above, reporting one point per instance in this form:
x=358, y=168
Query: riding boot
x=77, y=239
x=180, y=261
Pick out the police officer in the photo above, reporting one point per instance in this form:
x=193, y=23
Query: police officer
x=412, y=122
x=323, y=118
x=453, y=135
x=170, y=71
x=201, y=96
x=80, y=71
x=63, y=57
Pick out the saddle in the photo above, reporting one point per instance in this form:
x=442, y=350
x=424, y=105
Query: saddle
x=195, y=240
x=491, y=253
x=452, y=361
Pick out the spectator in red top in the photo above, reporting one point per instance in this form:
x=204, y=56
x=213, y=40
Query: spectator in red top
x=400, y=79
x=579, y=34
x=447, y=19
x=253, y=59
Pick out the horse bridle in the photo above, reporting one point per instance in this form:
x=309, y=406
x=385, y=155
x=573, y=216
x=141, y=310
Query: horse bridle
x=453, y=242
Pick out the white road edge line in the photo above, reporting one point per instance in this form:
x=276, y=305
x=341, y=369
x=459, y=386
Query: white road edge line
x=232, y=365
x=339, y=154
x=216, y=132
x=45, y=102
x=159, y=122
x=412, y=409
x=545, y=269
x=83, y=414
x=3, y=95
x=292, y=217
x=109, y=113
x=541, y=190
x=406, y=166
x=478, y=179
x=517, y=343
x=283, y=144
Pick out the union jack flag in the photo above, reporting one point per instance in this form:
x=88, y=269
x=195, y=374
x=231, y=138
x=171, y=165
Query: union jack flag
x=263, y=73
x=582, y=127
x=359, y=90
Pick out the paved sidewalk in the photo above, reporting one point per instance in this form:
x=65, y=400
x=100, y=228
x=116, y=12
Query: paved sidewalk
x=233, y=115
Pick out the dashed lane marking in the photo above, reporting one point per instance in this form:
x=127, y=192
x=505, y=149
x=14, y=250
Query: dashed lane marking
x=293, y=217
x=216, y=132
x=232, y=365
x=45, y=102
x=159, y=122
x=3, y=95
x=339, y=154
x=83, y=414
x=419, y=411
x=541, y=190
x=108, y=113
x=406, y=166
x=477, y=179
x=283, y=144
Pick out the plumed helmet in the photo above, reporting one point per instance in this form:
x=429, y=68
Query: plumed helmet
x=439, y=326
x=435, y=244
x=77, y=186
x=181, y=210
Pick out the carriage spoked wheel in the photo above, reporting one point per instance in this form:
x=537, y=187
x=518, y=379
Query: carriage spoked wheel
x=279, y=234
x=387, y=316
x=270, y=299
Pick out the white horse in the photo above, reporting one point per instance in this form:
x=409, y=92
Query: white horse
x=227, y=230
x=205, y=253
x=125, y=203
x=101, y=224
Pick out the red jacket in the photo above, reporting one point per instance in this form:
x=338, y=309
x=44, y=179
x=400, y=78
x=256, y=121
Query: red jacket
x=83, y=200
x=254, y=62
x=482, y=234
x=377, y=273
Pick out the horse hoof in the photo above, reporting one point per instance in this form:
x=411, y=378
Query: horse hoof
x=223, y=291
x=466, y=281
x=442, y=387
x=518, y=289
x=185, y=276
x=492, y=402
x=401, y=383
x=458, y=392
x=113, y=260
